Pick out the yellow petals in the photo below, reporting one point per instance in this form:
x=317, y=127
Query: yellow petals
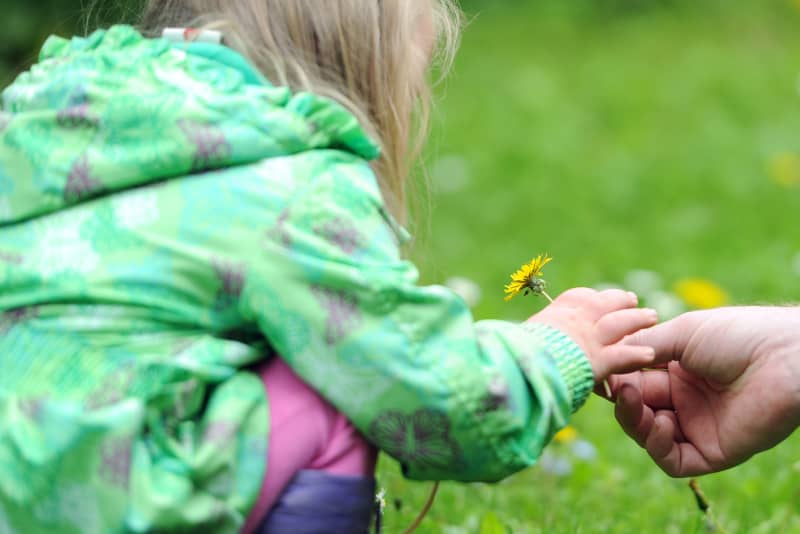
x=700, y=293
x=526, y=278
x=568, y=434
x=784, y=168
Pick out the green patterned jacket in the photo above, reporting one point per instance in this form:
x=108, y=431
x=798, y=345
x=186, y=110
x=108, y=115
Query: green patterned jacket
x=168, y=220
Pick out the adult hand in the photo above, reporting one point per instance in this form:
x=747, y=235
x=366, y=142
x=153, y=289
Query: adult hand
x=732, y=390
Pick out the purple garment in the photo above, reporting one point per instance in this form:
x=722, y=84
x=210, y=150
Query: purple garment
x=316, y=502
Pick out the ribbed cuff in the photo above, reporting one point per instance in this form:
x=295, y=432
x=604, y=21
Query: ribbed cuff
x=572, y=363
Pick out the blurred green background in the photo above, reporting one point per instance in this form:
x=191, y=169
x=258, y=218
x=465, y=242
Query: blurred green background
x=639, y=142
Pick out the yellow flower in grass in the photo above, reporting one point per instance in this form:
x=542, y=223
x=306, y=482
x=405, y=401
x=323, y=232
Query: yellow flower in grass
x=784, y=168
x=568, y=434
x=700, y=293
x=526, y=279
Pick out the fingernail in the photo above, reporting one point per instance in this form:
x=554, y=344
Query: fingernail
x=633, y=296
x=649, y=313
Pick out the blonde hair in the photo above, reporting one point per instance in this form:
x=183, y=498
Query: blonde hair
x=365, y=54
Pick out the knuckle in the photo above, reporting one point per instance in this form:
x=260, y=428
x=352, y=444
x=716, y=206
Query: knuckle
x=578, y=293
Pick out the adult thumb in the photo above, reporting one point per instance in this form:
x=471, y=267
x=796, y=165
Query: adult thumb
x=670, y=338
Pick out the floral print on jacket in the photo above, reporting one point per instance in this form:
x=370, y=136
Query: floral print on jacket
x=169, y=220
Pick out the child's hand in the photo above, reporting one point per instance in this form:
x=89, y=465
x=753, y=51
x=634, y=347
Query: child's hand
x=597, y=321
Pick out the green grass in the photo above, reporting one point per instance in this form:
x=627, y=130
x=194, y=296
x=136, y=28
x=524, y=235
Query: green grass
x=617, y=141
x=616, y=134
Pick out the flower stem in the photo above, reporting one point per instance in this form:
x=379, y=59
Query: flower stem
x=547, y=296
x=704, y=506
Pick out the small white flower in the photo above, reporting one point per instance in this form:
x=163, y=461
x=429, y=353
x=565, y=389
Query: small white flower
x=380, y=499
x=796, y=264
x=584, y=450
x=642, y=281
x=555, y=464
x=466, y=289
x=666, y=304
x=450, y=174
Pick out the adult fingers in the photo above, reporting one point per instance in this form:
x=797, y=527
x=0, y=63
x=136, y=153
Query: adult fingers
x=668, y=339
x=635, y=418
x=672, y=416
x=676, y=458
x=613, y=326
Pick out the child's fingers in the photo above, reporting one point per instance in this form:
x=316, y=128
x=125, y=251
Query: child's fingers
x=613, y=326
x=598, y=303
x=611, y=300
x=620, y=359
x=577, y=296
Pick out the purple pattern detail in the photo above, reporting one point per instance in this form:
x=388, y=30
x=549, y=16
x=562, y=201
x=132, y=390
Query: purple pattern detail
x=420, y=438
x=77, y=116
x=32, y=408
x=115, y=461
x=113, y=388
x=12, y=318
x=496, y=398
x=10, y=257
x=279, y=232
x=343, y=312
x=232, y=276
x=80, y=183
x=341, y=233
x=211, y=147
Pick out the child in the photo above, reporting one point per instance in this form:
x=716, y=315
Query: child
x=192, y=230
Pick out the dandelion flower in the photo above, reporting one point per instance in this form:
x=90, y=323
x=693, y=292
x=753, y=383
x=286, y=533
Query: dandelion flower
x=784, y=167
x=527, y=278
x=568, y=434
x=700, y=293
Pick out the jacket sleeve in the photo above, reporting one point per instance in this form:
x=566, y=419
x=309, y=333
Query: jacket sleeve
x=448, y=397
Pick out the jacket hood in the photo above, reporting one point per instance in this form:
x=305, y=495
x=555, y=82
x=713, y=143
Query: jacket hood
x=116, y=110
